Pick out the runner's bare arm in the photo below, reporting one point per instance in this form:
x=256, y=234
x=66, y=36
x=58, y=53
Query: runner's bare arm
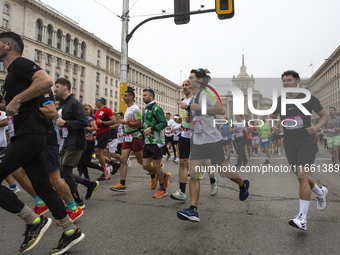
x=322, y=122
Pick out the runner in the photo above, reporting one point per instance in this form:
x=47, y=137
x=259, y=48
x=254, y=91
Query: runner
x=176, y=131
x=300, y=145
x=226, y=137
x=120, y=133
x=280, y=138
x=25, y=81
x=207, y=143
x=249, y=130
x=265, y=137
x=332, y=129
x=255, y=139
x=169, y=136
x=238, y=128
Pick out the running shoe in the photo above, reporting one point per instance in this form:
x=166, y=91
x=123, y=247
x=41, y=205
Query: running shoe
x=168, y=157
x=280, y=154
x=179, y=195
x=73, y=215
x=176, y=160
x=231, y=151
x=266, y=162
x=115, y=168
x=213, y=188
x=81, y=204
x=128, y=163
x=255, y=155
x=103, y=178
x=34, y=233
x=66, y=242
x=106, y=173
x=118, y=187
x=90, y=191
x=249, y=158
x=244, y=190
x=298, y=222
x=154, y=182
x=201, y=177
x=321, y=200
x=167, y=180
x=160, y=193
x=40, y=210
x=162, y=165
x=15, y=189
x=188, y=214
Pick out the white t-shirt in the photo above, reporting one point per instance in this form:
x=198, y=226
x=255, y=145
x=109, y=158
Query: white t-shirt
x=187, y=131
x=240, y=126
x=209, y=134
x=3, y=139
x=171, y=124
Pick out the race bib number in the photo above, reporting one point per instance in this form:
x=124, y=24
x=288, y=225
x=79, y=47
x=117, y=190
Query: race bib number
x=281, y=133
x=128, y=138
x=176, y=137
x=64, y=131
x=186, y=133
x=293, y=122
x=331, y=130
x=198, y=128
x=264, y=140
x=225, y=138
x=239, y=134
x=256, y=136
x=10, y=126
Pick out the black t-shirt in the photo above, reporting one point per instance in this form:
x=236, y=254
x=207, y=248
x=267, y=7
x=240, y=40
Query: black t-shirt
x=18, y=79
x=49, y=125
x=292, y=112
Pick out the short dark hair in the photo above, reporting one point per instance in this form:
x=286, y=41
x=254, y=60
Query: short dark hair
x=121, y=114
x=131, y=93
x=64, y=81
x=14, y=39
x=168, y=113
x=333, y=108
x=203, y=74
x=150, y=92
x=295, y=75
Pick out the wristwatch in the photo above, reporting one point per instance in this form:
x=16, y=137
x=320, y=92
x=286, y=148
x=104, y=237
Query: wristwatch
x=128, y=122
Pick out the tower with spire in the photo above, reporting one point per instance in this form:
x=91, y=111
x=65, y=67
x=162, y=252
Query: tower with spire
x=243, y=80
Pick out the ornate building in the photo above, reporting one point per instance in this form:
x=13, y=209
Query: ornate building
x=64, y=49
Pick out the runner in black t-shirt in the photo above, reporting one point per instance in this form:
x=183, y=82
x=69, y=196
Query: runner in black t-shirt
x=24, y=82
x=300, y=145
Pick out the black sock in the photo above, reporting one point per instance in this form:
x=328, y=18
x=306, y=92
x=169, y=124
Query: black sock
x=193, y=208
x=122, y=182
x=153, y=176
x=87, y=184
x=182, y=186
x=255, y=150
x=212, y=180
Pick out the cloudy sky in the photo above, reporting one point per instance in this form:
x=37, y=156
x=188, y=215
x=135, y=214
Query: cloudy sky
x=276, y=35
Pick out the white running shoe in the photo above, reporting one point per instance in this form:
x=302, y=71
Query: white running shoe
x=179, y=195
x=321, y=201
x=298, y=222
x=213, y=188
x=176, y=160
x=255, y=155
x=128, y=163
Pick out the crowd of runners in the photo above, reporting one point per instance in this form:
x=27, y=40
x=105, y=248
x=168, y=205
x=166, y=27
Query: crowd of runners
x=67, y=135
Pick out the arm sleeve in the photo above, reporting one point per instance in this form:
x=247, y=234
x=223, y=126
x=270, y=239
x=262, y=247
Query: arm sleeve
x=137, y=114
x=80, y=122
x=161, y=120
x=108, y=112
x=25, y=68
x=46, y=98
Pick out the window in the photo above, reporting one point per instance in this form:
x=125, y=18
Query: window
x=111, y=82
x=66, y=65
x=116, y=94
x=98, y=53
x=139, y=100
x=81, y=85
x=115, y=106
x=82, y=71
x=5, y=23
x=74, y=69
x=97, y=90
x=73, y=83
x=97, y=76
x=2, y=68
x=47, y=59
x=105, y=92
x=58, y=39
x=36, y=55
x=116, y=84
x=81, y=99
x=111, y=92
x=82, y=50
x=38, y=30
x=67, y=43
x=110, y=104
x=49, y=35
x=106, y=79
x=57, y=62
x=6, y=9
x=75, y=47
x=97, y=62
x=56, y=76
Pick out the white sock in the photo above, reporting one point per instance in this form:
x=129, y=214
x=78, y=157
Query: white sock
x=304, y=205
x=317, y=190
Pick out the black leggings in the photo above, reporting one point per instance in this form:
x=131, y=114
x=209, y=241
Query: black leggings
x=27, y=152
x=240, y=143
x=170, y=139
x=85, y=161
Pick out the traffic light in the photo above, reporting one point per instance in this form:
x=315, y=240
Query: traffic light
x=224, y=8
x=182, y=6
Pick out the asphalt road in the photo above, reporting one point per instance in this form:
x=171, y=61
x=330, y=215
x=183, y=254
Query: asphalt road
x=135, y=223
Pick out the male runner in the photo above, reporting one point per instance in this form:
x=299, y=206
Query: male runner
x=24, y=82
x=169, y=136
x=332, y=129
x=300, y=145
x=265, y=137
x=207, y=143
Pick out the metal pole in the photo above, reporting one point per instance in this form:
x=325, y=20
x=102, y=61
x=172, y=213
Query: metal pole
x=124, y=56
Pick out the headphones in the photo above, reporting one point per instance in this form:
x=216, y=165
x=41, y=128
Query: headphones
x=6, y=47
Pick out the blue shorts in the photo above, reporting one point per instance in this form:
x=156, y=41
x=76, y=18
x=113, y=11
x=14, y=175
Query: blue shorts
x=265, y=144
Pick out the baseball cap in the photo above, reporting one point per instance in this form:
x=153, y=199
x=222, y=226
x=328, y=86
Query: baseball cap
x=103, y=100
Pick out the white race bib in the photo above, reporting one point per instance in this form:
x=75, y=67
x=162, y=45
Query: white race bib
x=293, y=122
x=128, y=138
x=198, y=128
x=264, y=140
x=225, y=138
x=239, y=134
x=331, y=130
x=10, y=126
x=64, y=131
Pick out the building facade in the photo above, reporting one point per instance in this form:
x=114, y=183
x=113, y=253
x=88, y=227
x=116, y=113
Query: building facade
x=325, y=83
x=63, y=49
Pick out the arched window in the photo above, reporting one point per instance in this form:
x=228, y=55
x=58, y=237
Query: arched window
x=58, y=39
x=38, y=30
x=82, y=50
x=67, y=43
x=49, y=35
x=6, y=8
x=75, y=47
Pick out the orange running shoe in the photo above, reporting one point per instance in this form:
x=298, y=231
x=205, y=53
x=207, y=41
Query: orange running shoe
x=154, y=182
x=160, y=193
x=167, y=180
x=118, y=187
